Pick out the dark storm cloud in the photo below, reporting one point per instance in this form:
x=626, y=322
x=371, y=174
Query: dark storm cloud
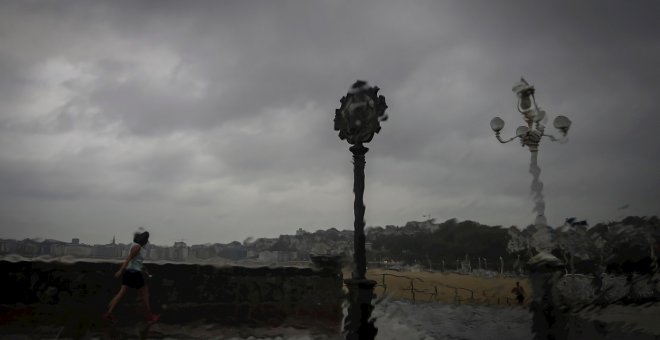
x=271, y=57
x=194, y=110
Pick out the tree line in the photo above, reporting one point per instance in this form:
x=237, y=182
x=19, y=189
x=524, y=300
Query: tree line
x=625, y=246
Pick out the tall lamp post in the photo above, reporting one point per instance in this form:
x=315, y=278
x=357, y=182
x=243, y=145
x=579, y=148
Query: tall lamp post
x=357, y=120
x=530, y=137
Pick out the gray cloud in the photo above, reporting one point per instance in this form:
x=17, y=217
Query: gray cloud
x=213, y=121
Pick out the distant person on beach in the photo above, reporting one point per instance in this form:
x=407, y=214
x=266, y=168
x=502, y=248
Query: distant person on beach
x=519, y=292
x=132, y=276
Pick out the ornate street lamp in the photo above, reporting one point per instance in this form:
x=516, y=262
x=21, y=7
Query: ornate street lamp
x=531, y=135
x=358, y=120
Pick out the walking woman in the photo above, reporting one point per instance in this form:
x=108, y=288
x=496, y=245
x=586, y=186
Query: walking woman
x=131, y=277
x=519, y=291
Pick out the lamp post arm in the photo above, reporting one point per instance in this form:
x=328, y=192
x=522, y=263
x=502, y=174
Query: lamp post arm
x=562, y=139
x=551, y=137
x=497, y=135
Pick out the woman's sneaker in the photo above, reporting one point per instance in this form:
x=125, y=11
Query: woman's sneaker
x=110, y=317
x=153, y=317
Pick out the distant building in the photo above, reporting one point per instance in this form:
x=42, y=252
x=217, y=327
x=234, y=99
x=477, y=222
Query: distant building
x=178, y=252
x=77, y=250
x=283, y=251
x=110, y=250
x=268, y=256
x=201, y=251
x=28, y=248
x=48, y=246
x=155, y=252
x=8, y=247
x=233, y=251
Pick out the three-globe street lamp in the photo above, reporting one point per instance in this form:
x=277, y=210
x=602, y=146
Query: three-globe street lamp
x=535, y=118
x=531, y=135
x=358, y=120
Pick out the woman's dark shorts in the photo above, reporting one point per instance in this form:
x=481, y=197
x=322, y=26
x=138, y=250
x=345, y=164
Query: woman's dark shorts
x=132, y=278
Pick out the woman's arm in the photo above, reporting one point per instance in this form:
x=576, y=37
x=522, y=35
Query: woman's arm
x=134, y=251
x=145, y=270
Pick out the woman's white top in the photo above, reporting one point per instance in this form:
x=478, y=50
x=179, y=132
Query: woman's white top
x=136, y=262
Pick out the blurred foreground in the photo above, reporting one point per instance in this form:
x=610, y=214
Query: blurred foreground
x=394, y=319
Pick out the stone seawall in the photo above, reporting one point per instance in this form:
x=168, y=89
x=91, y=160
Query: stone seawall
x=584, y=307
x=61, y=292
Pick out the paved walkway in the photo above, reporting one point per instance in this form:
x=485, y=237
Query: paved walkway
x=643, y=318
x=167, y=331
x=394, y=320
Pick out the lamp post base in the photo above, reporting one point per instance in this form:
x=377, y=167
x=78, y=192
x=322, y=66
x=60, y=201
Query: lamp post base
x=358, y=323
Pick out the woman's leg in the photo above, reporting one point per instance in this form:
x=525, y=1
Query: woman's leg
x=115, y=300
x=144, y=292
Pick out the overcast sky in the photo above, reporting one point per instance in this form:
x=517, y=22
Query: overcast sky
x=212, y=121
